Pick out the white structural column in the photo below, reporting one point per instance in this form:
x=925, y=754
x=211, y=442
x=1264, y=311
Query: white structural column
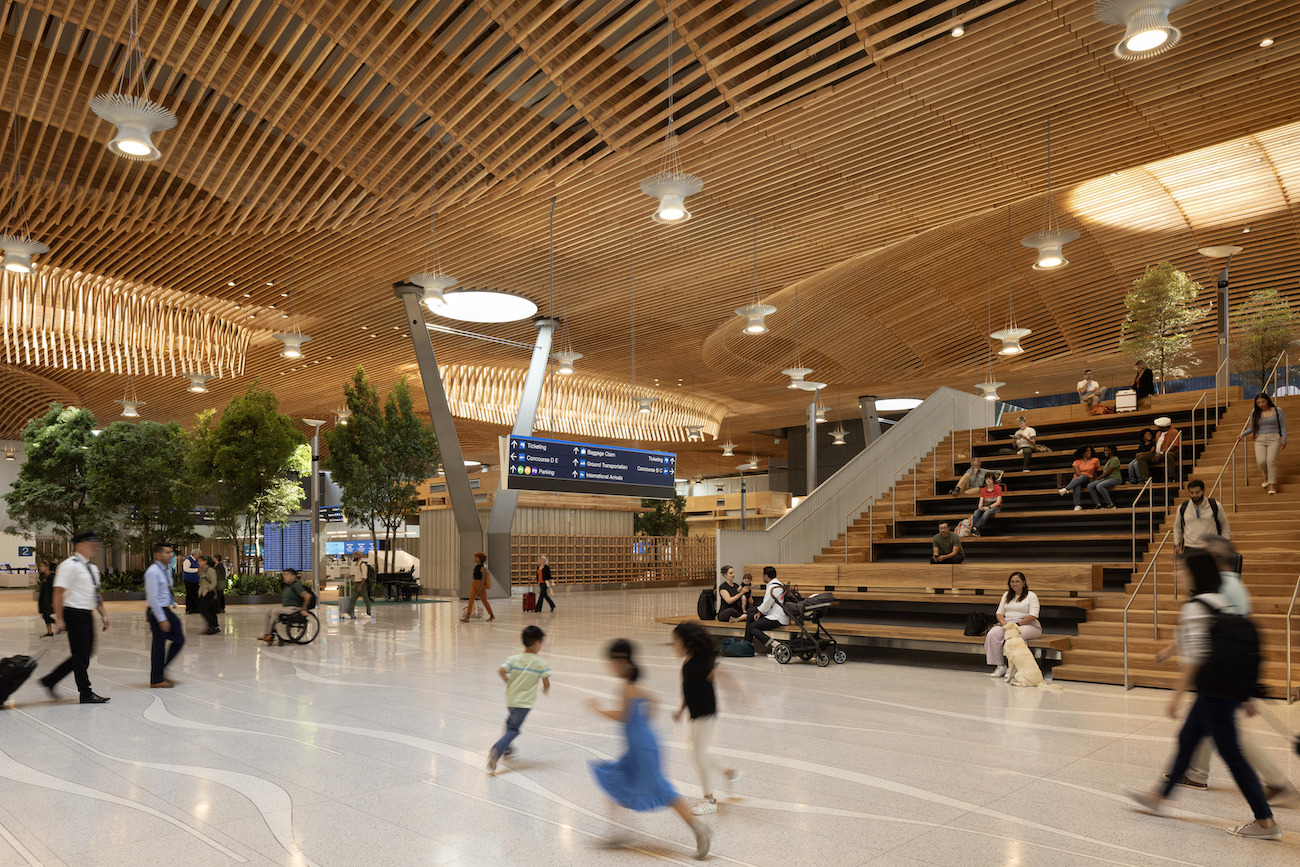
x=810, y=453
x=503, y=506
x=468, y=527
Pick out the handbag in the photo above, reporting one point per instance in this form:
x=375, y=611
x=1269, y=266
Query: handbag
x=977, y=623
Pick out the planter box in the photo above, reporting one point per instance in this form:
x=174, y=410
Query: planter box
x=253, y=600
x=120, y=596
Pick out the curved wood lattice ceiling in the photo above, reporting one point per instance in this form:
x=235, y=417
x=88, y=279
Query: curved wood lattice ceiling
x=308, y=130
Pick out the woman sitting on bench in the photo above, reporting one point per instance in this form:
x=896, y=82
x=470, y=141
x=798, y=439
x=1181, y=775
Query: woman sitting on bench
x=1019, y=606
x=769, y=613
x=737, y=599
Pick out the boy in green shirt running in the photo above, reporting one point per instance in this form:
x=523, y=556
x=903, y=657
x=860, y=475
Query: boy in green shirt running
x=521, y=674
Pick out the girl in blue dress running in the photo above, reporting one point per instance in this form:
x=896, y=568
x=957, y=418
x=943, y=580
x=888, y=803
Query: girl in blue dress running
x=635, y=780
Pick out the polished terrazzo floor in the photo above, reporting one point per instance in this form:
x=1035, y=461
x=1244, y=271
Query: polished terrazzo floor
x=367, y=748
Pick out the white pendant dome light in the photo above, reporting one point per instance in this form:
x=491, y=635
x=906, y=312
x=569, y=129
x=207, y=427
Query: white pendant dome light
x=755, y=311
x=18, y=245
x=796, y=375
x=989, y=389
x=292, y=344
x=564, y=362
x=821, y=414
x=18, y=253
x=728, y=448
x=838, y=434
x=1052, y=238
x=671, y=185
x=343, y=414
x=198, y=382
x=1147, y=31
x=433, y=280
x=695, y=433
x=130, y=408
x=1012, y=334
x=136, y=116
x=644, y=404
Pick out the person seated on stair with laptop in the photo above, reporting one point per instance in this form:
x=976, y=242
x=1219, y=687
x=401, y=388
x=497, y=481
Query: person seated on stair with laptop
x=1023, y=439
x=1167, y=439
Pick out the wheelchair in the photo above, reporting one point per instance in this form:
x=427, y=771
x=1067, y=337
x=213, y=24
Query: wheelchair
x=296, y=628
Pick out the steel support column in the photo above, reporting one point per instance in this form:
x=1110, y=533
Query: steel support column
x=503, y=506
x=469, y=528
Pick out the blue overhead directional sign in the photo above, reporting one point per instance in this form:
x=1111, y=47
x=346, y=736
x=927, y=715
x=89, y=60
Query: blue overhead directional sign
x=535, y=464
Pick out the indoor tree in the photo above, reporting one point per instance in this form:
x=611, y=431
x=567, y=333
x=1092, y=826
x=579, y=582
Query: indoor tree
x=52, y=491
x=139, y=481
x=251, y=459
x=411, y=458
x=1266, y=327
x=1161, y=316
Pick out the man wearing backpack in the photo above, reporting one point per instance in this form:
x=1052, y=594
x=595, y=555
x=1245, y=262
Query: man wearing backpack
x=1276, y=786
x=1198, y=518
x=1219, y=658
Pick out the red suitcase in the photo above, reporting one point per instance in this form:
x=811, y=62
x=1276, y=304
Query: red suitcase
x=530, y=601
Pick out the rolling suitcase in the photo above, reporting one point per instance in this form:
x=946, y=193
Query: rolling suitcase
x=347, y=601
x=530, y=601
x=14, y=671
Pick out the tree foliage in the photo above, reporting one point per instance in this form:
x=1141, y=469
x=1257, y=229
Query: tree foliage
x=1266, y=327
x=381, y=457
x=1160, y=320
x=53, y=491
x=661, y=518
x=251, y=458
x=139, y=481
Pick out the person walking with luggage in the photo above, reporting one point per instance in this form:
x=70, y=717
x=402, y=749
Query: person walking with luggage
x=1222, y=681
x=636, y=779
x=208, y=582
x=700, y=700
x=521, y=674
x=544, y=583
x=362, y=573
x=164, y=624
x=76, y=599
x=45, y=594
x=478, y=588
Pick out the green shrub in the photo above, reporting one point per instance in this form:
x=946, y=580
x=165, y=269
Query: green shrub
x=124, y=581
x=256, y=584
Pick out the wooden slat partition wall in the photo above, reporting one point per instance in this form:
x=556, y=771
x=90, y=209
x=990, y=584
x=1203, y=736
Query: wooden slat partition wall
x=874, y=154
x=579, y=404
x=640, y=560
x=54, y=319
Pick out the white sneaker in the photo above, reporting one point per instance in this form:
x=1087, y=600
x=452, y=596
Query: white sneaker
x=732, y=777
x=1078, y=508
x=1254, y=830
x=1063, y=492
x=705, y=807
x=1000, y=671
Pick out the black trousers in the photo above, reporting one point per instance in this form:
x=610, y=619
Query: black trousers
x=80, y=625
x=544, y=596
x=754, y=629
x=191, y=597
x=208, y=607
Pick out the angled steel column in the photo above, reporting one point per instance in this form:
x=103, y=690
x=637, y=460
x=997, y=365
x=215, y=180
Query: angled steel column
x=468, y=526
x=810, y=452
x=503, y=506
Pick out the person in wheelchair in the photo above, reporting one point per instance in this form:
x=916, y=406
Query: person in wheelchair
x=296, y=600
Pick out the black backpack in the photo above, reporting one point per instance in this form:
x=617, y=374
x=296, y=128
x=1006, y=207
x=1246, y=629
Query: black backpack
x=977, y=623
x=1214, y=510
x=1231, y=671
x=706, y=608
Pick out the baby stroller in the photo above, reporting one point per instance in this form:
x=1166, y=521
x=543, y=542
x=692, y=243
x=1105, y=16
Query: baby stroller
x=808, y=645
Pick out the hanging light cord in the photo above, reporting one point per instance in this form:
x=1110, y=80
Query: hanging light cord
x=1011, y=289
x=670, y=162
x=1050, y=209
x=988, y=283
x=433, y=256
x=550, y=361
x=758, y=297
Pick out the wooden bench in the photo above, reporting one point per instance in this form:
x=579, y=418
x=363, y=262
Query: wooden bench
x=891, y=635
x=1069, y=578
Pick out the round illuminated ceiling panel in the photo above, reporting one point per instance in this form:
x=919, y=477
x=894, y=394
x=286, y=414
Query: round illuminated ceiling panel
x=479, y=305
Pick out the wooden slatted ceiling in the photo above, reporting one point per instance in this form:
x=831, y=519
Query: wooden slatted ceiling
x=307, y=130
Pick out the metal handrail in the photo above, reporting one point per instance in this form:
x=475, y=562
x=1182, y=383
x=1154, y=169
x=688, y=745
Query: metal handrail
x=1205, y=428
x=1150, y=512
x=1291, y=610
x=948, y=402
x=1273, y=373
x=1155, y=602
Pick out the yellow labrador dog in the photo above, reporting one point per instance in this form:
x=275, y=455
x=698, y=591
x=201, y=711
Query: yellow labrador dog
x=1022, y=670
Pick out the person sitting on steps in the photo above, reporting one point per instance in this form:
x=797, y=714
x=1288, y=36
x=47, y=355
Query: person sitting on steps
x=972, y=480
x=1023, y=440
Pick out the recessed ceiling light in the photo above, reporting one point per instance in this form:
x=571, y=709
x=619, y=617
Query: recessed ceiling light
x=958, y=32
x=1246, y=231
x=269, y=283
x=231, y=283
x=284, y=315
x=238, y=307
x=329, y=358
x=248, y=294
x=364, y=327
x=1267, y=43
x=284, y=294
x=270, y=306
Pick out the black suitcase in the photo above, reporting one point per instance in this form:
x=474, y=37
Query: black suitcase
x=14, y=671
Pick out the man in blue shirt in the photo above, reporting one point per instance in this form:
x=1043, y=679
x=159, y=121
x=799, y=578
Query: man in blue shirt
x=163, y=622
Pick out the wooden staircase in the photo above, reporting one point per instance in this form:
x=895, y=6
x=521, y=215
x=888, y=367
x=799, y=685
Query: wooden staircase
x=853, y=544
x=1263, y=528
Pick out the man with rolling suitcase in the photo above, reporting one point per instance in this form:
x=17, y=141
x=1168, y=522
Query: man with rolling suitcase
x=76, y=599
